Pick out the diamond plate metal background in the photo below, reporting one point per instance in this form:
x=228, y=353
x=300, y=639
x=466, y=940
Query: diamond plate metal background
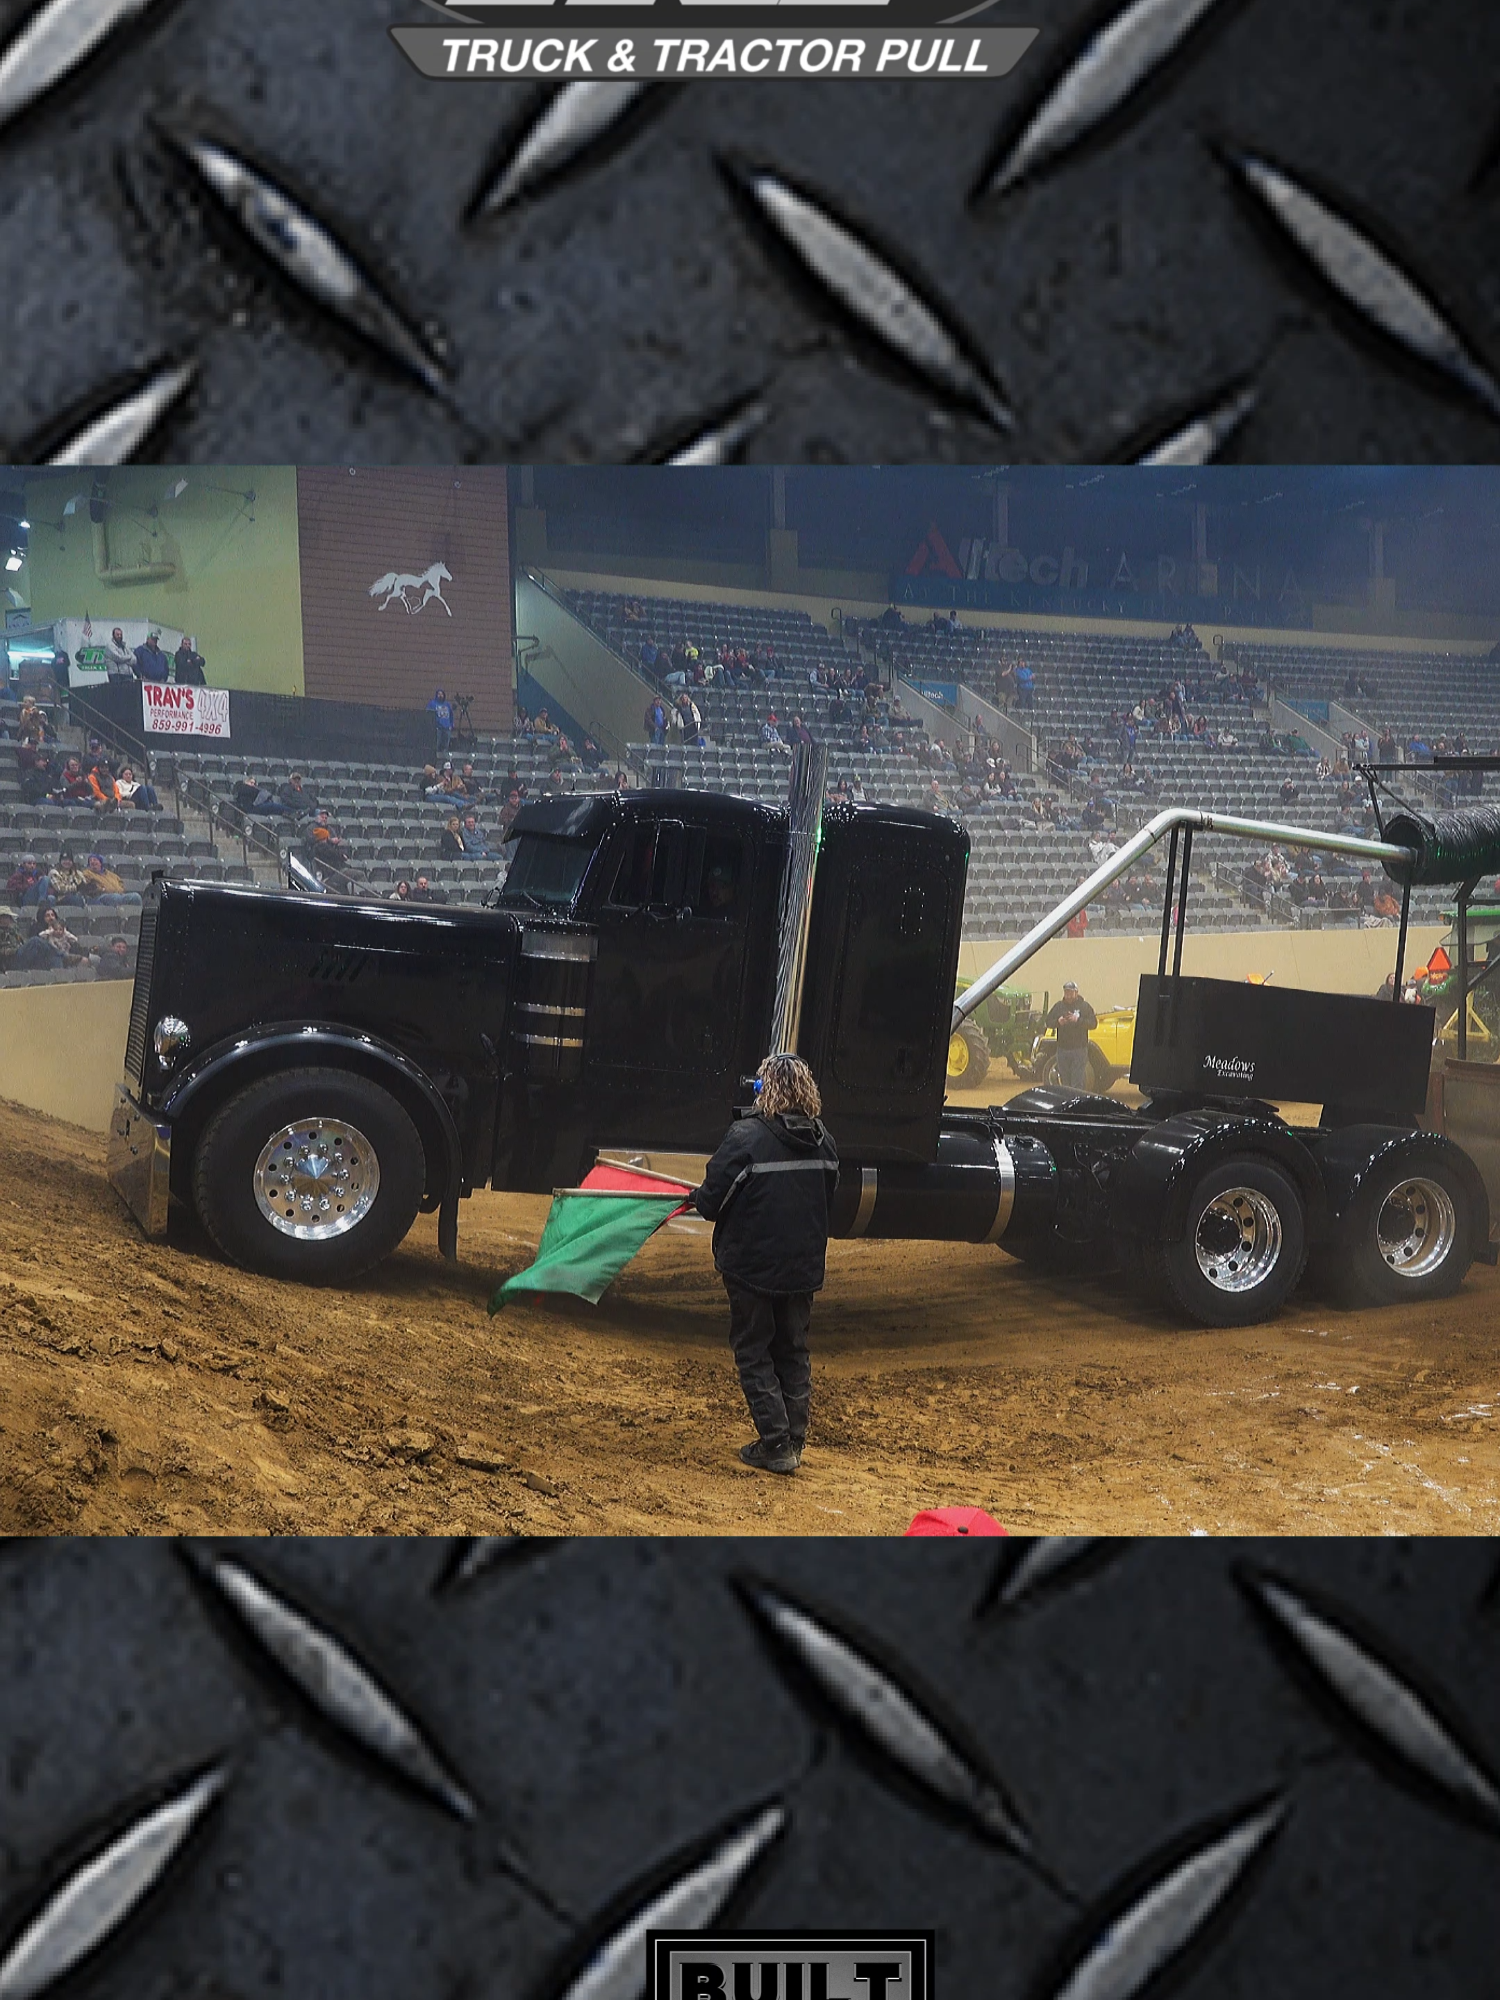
x=624, y=306
x=608, y=1705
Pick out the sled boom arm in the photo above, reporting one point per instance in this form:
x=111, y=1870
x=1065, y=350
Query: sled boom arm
x=1141, y=843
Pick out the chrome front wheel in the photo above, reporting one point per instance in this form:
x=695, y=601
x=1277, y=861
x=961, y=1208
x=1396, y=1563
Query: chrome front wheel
x=316, y=1179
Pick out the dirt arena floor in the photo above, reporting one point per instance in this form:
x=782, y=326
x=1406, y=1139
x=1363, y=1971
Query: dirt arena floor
x=153, y=1389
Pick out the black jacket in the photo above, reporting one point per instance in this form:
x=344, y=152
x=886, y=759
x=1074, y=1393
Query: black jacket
x=1072, y=1034
x=767, y=1191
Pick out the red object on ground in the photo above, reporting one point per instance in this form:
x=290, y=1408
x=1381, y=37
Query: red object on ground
x=955, y=1521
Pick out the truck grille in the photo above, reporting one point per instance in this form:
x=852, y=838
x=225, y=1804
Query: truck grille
x=140, y=1006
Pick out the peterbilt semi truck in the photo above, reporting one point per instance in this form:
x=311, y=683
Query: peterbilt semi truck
x=308, y=1072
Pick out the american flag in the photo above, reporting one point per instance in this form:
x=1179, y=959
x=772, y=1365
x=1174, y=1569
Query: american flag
x=88, y=629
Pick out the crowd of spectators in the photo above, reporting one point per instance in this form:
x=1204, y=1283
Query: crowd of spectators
x=95, y=780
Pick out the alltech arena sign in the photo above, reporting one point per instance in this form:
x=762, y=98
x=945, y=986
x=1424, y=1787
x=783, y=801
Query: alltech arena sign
x=184, y=711
x=572, y=40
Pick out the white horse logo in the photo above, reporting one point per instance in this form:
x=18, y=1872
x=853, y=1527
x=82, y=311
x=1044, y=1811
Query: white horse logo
x=394, y=585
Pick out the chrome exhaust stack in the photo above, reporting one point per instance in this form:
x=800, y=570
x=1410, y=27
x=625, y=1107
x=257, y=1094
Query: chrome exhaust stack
x=809, y=775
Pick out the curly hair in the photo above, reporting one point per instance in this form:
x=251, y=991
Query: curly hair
x=786, y=1084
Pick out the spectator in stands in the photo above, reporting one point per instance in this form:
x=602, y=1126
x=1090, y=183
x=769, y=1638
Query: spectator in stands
x=1289, y=793
x=103, y=785
x=36, y=771
x=467, y=784
x=633, y=611
x=51, y=948
x=1025, y=684
x=400, y=894
x=770, y=731
x=509, y=810
x=590, y=755
x=800, y=731
x=1388, y=749
x=188, y=665
x=28, y=885
x=322, y=842
x=451, y=843
x=650, y=652
x=688, y=719
x=31, y=723
x=298, y=797
x=441, y=711
x=656, y=721
x=427, y=779
x=133, y=792
x=1418, y=751
x=623, y=782
x=151, y=663
x=114, y=960
x=103, y=886
x=119, y=659
x=251, y=796
x=424, y=891
x=73, y=787
x=544, y=728
x=1386, y=907
x=476, y=847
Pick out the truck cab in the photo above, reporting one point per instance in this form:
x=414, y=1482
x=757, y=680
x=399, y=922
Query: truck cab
x=307, y=1071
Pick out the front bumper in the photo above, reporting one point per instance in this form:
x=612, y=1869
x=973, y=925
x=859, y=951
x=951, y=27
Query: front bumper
x=140, y=1161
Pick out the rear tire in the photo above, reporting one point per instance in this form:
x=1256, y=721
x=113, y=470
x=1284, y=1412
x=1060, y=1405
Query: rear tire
x=1410, y=1236
x=1242, y=1250
x=968, y=1056
x=311, y=1174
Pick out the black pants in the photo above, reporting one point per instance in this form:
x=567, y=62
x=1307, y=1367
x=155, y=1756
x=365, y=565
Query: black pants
x=769, y=1338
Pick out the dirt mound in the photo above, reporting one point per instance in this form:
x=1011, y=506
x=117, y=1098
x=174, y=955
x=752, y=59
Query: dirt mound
x=150, y=1388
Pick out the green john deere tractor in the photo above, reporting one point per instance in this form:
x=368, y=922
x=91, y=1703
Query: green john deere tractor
x=1002, y=1025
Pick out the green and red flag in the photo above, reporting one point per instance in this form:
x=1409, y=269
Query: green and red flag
x=594, y=1230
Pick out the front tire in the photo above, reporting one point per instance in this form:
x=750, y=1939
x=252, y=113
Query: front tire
x=310, y=1174
x=968, y=1056
x=1410, y=1236
x=1242, y=1250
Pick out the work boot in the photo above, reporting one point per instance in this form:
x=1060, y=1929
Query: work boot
x=772, y=1455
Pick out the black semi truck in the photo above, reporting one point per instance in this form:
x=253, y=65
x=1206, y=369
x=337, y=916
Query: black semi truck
x=308, y=1072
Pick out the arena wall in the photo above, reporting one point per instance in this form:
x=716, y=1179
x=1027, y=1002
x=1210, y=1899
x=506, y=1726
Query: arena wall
x=62, y=1048
x=361, y=525
x=237, y=586
x=1108, y=969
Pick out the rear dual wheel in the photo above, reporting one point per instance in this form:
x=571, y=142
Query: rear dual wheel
x=1410, y=1235
x=1242, y=1250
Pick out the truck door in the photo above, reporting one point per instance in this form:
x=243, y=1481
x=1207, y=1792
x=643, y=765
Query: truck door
x=671, y=926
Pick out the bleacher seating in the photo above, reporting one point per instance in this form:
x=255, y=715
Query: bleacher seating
x=1020, y=866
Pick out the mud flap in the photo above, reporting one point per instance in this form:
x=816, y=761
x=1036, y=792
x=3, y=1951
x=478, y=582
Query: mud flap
x=448, y=1227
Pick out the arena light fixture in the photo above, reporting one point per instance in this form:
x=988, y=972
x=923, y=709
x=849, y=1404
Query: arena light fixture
x=13, y=561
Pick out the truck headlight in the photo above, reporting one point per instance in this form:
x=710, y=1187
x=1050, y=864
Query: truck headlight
x=170, y=1038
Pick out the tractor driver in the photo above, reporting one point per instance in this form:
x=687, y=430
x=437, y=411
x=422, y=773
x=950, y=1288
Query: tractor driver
x=1070, y=1020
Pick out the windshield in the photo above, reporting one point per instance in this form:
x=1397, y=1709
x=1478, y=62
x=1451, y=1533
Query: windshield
x=544, y=873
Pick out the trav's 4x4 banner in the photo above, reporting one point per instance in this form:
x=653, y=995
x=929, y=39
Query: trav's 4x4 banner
x=184, y=711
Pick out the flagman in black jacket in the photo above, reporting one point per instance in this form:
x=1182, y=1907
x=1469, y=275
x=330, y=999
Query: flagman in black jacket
x=767, y=1192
